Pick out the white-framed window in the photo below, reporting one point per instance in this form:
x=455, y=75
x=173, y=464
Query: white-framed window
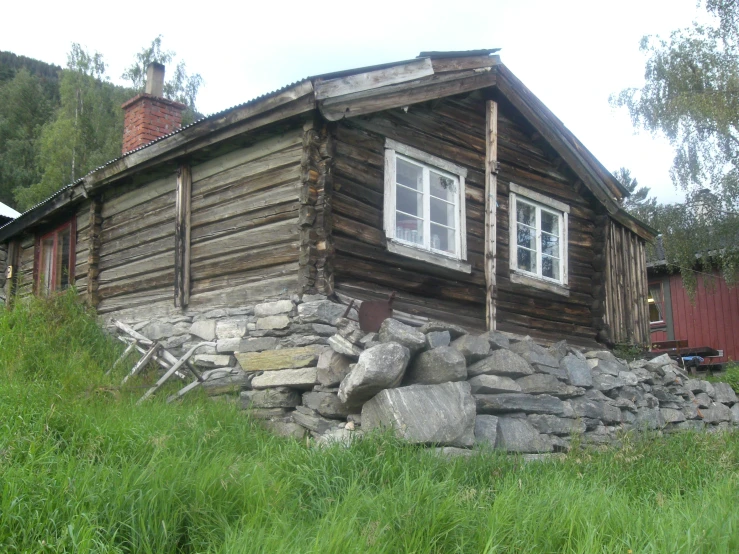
x=424, y=216
x=538, y=239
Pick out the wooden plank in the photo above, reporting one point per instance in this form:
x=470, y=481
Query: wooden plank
x=442, y=65
x=373, y=79
x=428, y=88
x=182, y=237
x=491, y=195
x=142, y=363
x=177, y=365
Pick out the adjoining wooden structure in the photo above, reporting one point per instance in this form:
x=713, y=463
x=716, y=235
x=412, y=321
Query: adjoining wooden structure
x=710, y=319
x=394, y=178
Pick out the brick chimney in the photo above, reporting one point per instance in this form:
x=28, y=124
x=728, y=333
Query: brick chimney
x=148, y=116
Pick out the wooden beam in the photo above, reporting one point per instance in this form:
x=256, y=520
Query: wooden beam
x=93, y=253
x=491, y=193
x=182, y=237
x=373, y=79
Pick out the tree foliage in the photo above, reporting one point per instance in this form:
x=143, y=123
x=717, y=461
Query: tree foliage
x=180, y=87
x=86, y=131
x=638, y=204
x=691, y=95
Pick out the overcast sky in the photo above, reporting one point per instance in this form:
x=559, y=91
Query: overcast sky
x=571, y=53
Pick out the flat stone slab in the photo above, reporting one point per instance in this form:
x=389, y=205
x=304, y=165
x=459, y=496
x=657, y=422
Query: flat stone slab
x=486, y=430
x=225, y=380
x=284, y=358
x=280, y=397
x=273, y=322
x=578, y=371
x=518, y=402
x=724, y=393
x=493, y=384
x=428, y=414
x=553, y=425
x=473, y=348
x=273, y=308
x=303, y=378
x=332, y=368
x=328, y=405
x=542, y=383
x=454, y=330
x=518, y=435
x=440, y=365
x=320, y=311
x=501, y=362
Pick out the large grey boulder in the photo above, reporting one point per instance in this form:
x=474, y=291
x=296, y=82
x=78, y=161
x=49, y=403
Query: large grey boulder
x=724, y=393
x=596, y=409
x=380, y=367
x=605, y=382
x=649, y=418
x=303, y=378
x=486, y=430
x=435, y=339
x=328, y=405
x=393, y=330
x=427, y=414
x=735, y=414
x=672, y=416
x=542, y=383
x=225, y=380
x=501, y=362
x=518, y=435
x=716, y=413
x=311, y=420
x=578, y=371
x=439, y=365
x=473, y=348
x=493, y=384
x=518, y=402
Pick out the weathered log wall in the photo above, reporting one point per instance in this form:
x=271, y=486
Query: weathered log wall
x=626, y=313
x=452, y=129
x=528, y=162
x=3, y=267
x=245, y=237
x=136, y=259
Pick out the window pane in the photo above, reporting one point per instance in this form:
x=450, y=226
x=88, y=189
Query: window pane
x=408, y=228
x=409, y=174
x=550, y=267
x=409, y=201
x=655, y=303
x=525, y=213
x=63, y=270
x=526, y=260
x=526, y=237
x=47, y=264
x=443, y=187
x=442, y=212
x=443, y=239
x=549, y=223
x=549, y=244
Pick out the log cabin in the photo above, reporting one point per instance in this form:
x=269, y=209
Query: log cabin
x=442, y=179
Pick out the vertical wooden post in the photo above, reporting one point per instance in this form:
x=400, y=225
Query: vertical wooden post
x=491, y=194
x=93, y=255
x=12, y=270
x=182, y=238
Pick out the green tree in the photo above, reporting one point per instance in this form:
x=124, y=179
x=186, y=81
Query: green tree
x=86, y=131
x=24, y=108
x=691, y=95
x=638, y=204
x=180, y=86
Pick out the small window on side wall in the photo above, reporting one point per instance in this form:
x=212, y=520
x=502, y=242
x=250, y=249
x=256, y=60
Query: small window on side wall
x=656, y=304
x=55, y=259
x=538, y=239
x=424, y=216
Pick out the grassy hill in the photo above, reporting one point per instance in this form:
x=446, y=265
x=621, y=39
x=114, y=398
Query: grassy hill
x=84, y=470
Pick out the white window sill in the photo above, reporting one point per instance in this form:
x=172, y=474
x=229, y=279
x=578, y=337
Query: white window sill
x=429, y=257
x=538, y=283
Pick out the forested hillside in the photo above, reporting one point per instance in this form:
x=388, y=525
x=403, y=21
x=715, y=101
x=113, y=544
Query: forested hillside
x=57, y=124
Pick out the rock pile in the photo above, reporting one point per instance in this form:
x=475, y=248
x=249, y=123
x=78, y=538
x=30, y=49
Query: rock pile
x=305, y=368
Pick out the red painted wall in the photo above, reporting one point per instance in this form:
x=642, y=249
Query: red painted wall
x=712, y=320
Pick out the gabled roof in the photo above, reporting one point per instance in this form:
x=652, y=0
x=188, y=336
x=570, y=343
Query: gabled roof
x=351, y=93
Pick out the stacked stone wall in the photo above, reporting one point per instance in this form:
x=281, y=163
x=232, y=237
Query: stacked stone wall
x=303, y=366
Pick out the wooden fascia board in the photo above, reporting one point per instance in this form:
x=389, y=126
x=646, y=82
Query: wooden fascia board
x=293, y=101
x=407, y=93
x=372, y=79
x=574, y=153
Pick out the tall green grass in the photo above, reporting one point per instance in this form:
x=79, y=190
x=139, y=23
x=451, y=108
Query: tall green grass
x=84, y=470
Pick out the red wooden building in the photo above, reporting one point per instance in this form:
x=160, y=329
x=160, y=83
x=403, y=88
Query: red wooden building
x=711, y=319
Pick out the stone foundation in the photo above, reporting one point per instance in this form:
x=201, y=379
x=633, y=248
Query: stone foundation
x=303, y=368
